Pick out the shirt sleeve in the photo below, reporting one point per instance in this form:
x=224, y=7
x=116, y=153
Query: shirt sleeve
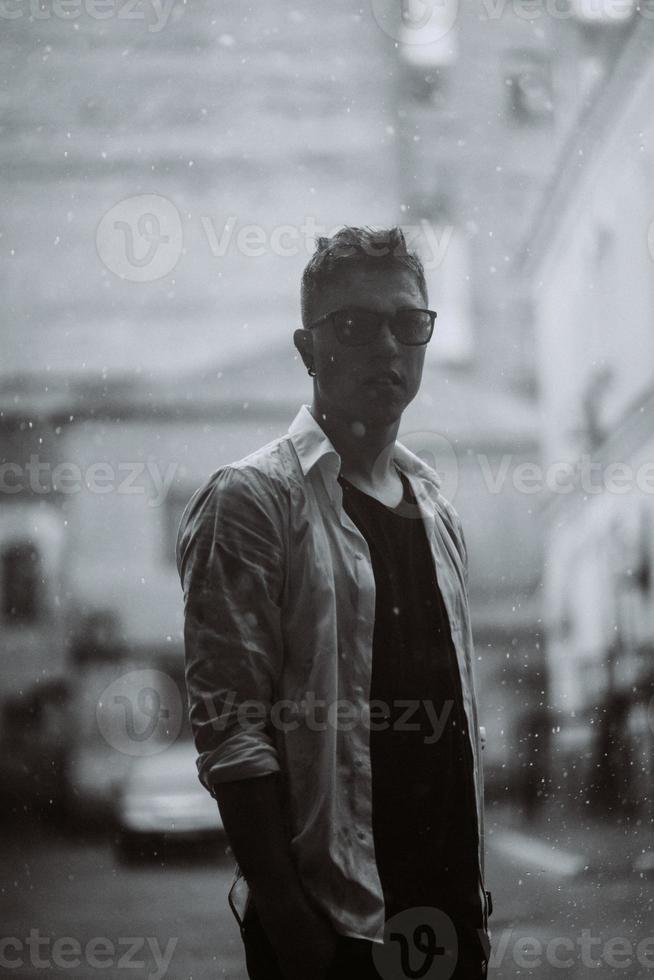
x=231, y=566
x=463, y=550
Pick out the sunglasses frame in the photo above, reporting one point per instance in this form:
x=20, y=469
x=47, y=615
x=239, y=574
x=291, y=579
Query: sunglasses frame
x=384, y=318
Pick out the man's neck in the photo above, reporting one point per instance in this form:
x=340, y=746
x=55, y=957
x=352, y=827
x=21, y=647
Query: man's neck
x=366, y=451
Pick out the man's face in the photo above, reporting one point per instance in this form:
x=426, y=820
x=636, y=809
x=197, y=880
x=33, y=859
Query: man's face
x=372, y=383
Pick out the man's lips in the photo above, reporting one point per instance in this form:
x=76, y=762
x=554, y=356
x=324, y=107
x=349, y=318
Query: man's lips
x=385, y=377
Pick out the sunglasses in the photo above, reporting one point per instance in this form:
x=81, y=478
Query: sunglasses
x=357, y=327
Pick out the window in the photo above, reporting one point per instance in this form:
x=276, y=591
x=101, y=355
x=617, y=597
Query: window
x=21, y=583
x=428, y=87
x=528, y=81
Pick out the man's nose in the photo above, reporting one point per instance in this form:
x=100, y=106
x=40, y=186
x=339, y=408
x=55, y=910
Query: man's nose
x=385, y=337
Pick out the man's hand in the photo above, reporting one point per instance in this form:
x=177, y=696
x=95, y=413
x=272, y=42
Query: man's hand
x=304, y=940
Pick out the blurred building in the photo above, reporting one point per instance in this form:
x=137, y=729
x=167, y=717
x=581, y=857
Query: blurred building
x=589, y=260
x=251, y=127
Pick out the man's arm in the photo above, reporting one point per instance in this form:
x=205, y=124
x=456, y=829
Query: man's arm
x=252, y=815
x=231, y=561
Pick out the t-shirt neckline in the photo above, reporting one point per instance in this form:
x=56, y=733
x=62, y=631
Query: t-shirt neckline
x=406, y=494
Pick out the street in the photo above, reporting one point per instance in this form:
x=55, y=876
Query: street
x=71, y=910
x=578, y=909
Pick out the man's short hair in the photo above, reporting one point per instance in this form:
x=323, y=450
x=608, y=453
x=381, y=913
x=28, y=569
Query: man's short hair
x=366, y=246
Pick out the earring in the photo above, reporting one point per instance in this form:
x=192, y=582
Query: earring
x=311, y=371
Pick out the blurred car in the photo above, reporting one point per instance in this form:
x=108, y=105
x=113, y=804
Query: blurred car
x=161, y=802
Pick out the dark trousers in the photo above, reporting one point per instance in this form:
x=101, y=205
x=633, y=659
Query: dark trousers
x=353, y=958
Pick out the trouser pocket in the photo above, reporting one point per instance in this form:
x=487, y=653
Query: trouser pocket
x=260, y=956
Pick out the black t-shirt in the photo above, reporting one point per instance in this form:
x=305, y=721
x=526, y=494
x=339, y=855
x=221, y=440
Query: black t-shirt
x=424, y=822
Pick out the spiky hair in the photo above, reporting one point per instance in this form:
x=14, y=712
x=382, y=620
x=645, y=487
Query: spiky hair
x=367, y=246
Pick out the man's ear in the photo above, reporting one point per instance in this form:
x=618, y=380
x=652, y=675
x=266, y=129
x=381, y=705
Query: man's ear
x=303, y=340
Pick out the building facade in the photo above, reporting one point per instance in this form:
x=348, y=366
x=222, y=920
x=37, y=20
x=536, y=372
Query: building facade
x=590, y=264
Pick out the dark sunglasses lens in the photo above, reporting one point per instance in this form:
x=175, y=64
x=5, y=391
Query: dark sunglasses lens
x=357, y=327
x=412, y=326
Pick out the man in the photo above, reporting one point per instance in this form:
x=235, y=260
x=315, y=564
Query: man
x=327, y=571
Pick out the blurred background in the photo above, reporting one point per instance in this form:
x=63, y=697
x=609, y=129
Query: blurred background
x=166, y=167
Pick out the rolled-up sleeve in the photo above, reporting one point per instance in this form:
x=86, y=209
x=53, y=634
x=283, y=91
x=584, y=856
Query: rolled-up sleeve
x=231, y=565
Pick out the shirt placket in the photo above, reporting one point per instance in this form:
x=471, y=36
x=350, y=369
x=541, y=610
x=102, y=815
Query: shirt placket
x=358, y=685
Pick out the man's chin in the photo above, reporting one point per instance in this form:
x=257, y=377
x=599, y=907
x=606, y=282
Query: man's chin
x=384, y=411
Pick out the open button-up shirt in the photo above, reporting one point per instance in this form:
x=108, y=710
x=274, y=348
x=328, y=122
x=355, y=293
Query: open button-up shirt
x=279, y=614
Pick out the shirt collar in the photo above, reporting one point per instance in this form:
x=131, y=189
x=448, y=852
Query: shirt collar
x=312, y=445
x=310, y=442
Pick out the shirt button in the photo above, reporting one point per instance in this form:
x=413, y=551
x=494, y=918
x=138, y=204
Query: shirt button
x=361, y=835
x=358, y=689
x=358, y=556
